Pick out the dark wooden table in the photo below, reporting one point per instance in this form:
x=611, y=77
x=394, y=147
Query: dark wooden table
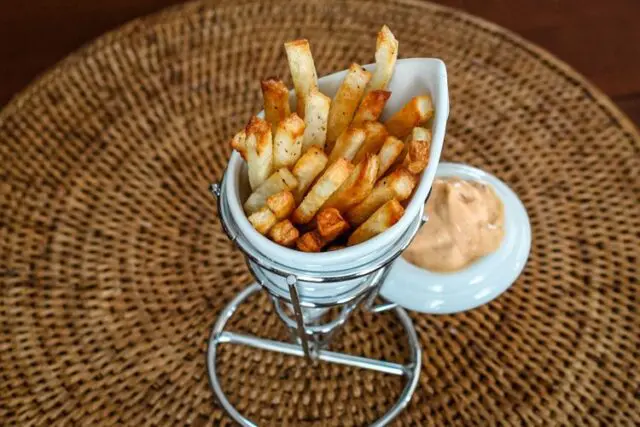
x=600, y=38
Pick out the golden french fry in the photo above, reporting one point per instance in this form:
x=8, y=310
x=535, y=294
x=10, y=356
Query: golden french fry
x=357, y=186
x=306, y=169
x=276, y=101
x=239, y=143
x=382, y=219
x=346, y=101
x=281, y=204
x=281, y=180
x=303, y=71
x=414, y=113
x=330, y=224
x=347, y=144
x=386, y=55
x=329, y=182
x=287, y=142
x=398, y=185
x=284, y=233
x=375, y=135
x=417, y=157
x=371, y=107
x=389, y=153
x=262, y=220
x=259, y=151
x=315, y=120
x=310, y=242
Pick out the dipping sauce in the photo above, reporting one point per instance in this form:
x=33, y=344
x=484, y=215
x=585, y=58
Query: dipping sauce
x=466, y=222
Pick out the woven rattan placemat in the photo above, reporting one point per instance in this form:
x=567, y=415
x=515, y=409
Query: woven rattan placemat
x=114, y=265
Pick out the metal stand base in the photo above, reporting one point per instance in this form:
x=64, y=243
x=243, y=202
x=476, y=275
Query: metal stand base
x=218, y=336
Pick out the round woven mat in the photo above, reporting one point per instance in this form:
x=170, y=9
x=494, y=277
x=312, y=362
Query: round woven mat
x=114, y=264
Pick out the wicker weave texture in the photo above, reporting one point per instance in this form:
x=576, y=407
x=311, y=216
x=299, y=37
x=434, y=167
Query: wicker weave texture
x=114, y=265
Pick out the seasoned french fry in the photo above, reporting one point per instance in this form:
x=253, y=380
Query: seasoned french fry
x=357, y=187
x=330, y=224
x=329, y=182
x=284, y=233
x=281, y=204
x=371, y=107
x=287, y=142
x=414, y=113
x=306, y=169
x=262, y=220
x=346, y=101
x=276, y=101
x=386, y=55
x=303, y=71
x=310, y=242
x=391, y=150
x=315, y=120
x=259, y=151
x=375, y=135
x=417, y=156
x=382, y=219
x=347, y=144
x=398, y=185
x=239, y=143
x=281, y=180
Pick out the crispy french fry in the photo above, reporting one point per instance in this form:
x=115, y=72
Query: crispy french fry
x=357, y=187
x=284, y=233
x=347, y=144
x=375, y=135
x=382, y=219
x=417, y=157
x=398, y=185
x=330, y=224
x=386, y=55
x=371, y=107
x=281, y=180
x=262, y=220
x=346, y=101
x=389, y=153
x=329, y=182
x=306, y=169
x=315, y=120
x=303, y=71
x=287, y=142
x=414, y=113
x=259, y=151
x=276, y=101
x=281, y=204
x=310, y=242
x=239, y=143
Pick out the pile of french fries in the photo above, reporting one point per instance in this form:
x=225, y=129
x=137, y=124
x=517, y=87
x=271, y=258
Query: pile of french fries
x=331, y=174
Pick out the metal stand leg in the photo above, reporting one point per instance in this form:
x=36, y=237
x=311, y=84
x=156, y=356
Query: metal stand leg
x=218, y=336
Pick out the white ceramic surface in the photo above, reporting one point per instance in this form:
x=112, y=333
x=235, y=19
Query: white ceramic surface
x=427, y=292
x=412, y=77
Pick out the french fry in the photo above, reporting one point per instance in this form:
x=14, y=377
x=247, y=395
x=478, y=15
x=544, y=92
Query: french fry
x=329, y=182
x=382, y=219
x=310, y=242
x=284, y=233
x=276, y=101
x=239, y=143
x=420, y=134
x=348, y=144
x=398, y=185
x=357, y=186
x=262, y=220
x=281, y=204
x=315, y=120
x=375, y=135
x=259, y=151
x=346, y=101
x=417, y=156
x=281, y=180
x=287, y=142
x=389, y=153
x=330, y=224
x=303, y=71
x=414, y=113
x=386, y=55
x=306, y=169
x=371, y=107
